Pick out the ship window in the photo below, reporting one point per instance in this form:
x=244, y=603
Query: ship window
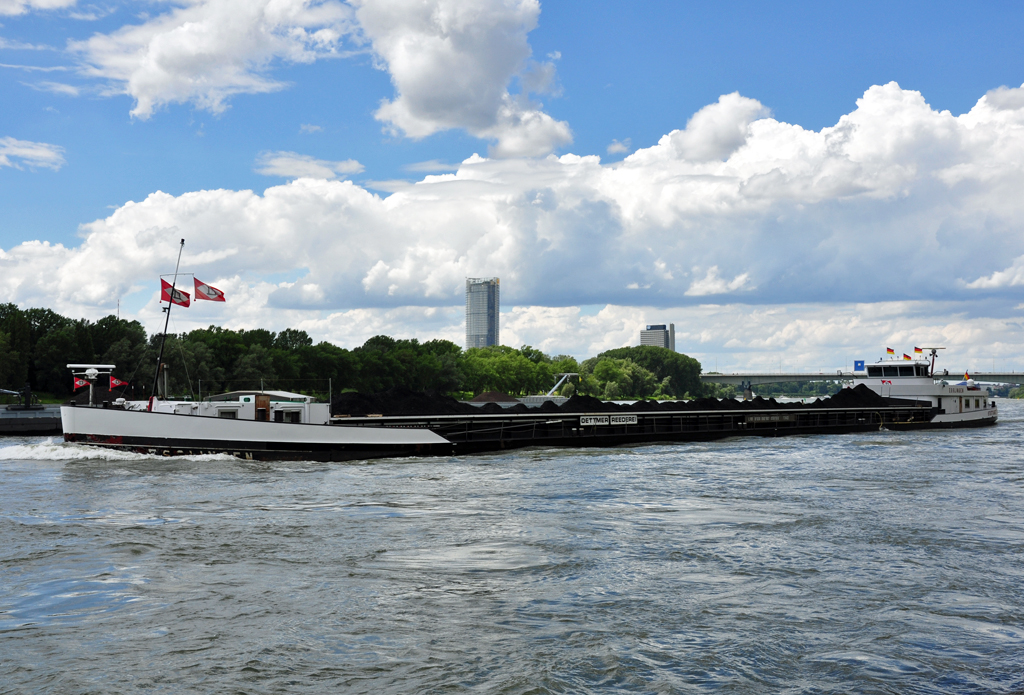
x=278, y=416
x=874, y=371
x=230, y=414
x=294, y=416
x=906, y=371
x=890, y=371
x=977, y=402
x=922, y=370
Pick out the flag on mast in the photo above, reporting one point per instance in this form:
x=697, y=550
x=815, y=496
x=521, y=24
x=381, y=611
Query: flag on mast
x=906, y=356
x=79, y=383
x=115, y=382
x=204, y=291
x=890, y=351
x=180, y=298
x=918, y=351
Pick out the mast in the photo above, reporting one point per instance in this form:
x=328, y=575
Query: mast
x=160, y=357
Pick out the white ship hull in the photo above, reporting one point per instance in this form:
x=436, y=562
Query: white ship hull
x=176, y=434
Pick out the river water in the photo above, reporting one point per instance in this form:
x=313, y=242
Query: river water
x=882, y=562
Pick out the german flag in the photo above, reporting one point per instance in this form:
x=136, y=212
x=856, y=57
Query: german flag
x=918, y=351
x=890, y=351
x=906, y=356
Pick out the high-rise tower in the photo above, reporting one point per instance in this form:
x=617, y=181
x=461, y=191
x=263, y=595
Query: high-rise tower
x=660, y=335
x=482, y=312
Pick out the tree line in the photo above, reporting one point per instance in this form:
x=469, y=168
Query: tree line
x=37, y=344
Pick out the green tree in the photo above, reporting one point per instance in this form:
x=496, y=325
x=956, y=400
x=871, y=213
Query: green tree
x=501, y=368
x=55, y=350
x=623, y=378
x=683, y=370
x=253, y=369
x=8, y=359
x=291, y=339
x=17, y=352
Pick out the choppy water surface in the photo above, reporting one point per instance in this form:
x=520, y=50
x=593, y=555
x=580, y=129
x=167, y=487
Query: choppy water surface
x=882, y=562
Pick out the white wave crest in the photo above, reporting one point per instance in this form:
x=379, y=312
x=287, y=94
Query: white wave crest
x=56, y=450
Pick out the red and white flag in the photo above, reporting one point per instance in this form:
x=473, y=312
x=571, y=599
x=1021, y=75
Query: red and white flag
x=180, y=298
x=204, y=291
x=79, y=383
x=115, y=382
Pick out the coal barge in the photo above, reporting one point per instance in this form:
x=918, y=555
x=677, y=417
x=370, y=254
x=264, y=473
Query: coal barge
x=589, y=422
x=401, y=423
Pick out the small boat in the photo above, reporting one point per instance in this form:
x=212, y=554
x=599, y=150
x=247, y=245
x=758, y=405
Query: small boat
x=27, y=416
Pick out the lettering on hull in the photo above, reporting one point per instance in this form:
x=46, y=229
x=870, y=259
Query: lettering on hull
x=752, y=419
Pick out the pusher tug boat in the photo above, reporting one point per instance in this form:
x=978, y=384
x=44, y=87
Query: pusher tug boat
x=960, y=404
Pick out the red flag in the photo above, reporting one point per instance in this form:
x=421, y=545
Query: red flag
x=204, y=291
x=115, y=382
x=79, y=383
x=180, y=298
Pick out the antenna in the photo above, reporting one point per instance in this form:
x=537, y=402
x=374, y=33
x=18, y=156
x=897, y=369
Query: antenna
x=933, y=351
x=90, y=372
x=170, y=303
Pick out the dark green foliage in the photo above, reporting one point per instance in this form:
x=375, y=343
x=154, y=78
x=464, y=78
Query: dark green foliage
x=641, y=371
x=799, y=389
x=15, y=347
x=38, y=344
x=383, y=363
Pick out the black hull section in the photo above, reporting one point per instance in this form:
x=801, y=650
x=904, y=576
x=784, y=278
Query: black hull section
x=16, y=420
x=474, y=434
x=652, y=428
x=18, y=426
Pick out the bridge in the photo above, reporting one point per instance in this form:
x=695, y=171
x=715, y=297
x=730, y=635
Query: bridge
x=748, y=380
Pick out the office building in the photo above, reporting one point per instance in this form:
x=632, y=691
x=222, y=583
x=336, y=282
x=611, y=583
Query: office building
x=660, y=335
x=482, y=307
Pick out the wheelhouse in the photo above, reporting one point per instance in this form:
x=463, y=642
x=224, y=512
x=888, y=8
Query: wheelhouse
x=889, y=371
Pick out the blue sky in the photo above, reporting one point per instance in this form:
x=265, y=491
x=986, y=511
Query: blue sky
x=627, y=70
x=622, y=79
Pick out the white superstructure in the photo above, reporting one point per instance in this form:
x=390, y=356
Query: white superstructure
x=959, y=403
x=262, y=406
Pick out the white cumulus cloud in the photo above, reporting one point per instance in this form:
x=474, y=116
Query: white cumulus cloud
x=205, y=51
x=898, y=207
x=17, y=7
x=711, y=283
x=34, y=155
x=292, y=165
x=718, y=130
x=451, y=62
x=1012, y=276
x=617, y=147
